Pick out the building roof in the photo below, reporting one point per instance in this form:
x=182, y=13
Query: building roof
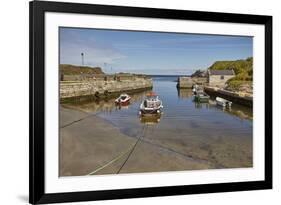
x=221, y=72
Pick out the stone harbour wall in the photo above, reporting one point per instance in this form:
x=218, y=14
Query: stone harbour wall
x=73, y=89
x=188, y=82
x=229, y=95
x=185, y=82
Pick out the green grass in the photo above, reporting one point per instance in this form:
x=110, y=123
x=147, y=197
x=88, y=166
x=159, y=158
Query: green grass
x=243, y=73
x=236, y=84
x=76, y=70
x=243, y=69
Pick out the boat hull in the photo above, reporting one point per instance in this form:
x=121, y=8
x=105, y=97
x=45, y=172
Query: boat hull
x=120, y=101
x=125, y=103
x=150, y=112
x=222, y=102
x=204, y=99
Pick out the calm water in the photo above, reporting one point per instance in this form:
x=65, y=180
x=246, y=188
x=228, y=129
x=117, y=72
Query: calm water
x=181, y=111
x=205, y=131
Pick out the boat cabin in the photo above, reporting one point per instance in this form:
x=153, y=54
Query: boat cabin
x=152, y=100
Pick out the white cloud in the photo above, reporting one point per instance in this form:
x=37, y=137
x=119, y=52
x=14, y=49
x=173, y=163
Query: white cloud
x=95, y=53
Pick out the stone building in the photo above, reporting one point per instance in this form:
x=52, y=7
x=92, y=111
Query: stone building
x=218, y=78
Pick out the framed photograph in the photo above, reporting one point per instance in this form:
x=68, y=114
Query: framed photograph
x=130, y=102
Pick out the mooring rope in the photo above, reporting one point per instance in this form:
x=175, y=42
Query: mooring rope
x=110, y=162
x=133, y=148
x=75, y=121
x=130, y=150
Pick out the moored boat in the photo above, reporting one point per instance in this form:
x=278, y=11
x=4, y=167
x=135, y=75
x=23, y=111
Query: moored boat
x=195, y=88
x=202, y=97
x=151, y=104
x=123, y=99
x=223, y=102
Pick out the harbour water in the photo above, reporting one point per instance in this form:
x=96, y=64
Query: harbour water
x=220, y=138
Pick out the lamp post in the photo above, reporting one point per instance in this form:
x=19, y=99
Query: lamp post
x=82, y=56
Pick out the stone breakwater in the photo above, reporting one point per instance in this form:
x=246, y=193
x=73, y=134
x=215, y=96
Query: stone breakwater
x=102, y=89
x=188, y=82
x=239, y=98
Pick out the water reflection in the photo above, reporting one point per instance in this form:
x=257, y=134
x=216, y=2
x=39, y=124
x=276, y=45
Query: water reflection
x=122, y=106
x=150, y=119
x=107, y=106
x=240, y=112
x=184, y=93
x=235, y=110
x=200, y=105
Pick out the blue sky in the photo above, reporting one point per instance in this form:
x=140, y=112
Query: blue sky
x=149, y=52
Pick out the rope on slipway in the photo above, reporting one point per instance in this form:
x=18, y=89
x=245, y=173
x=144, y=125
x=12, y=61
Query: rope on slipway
x=110, y=162
x=75, y=121
x=130, y=151
x=133, y=148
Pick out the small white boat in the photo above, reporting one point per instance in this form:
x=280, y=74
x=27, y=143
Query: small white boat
x=123, y=99
x=223, y=102
x=195, y=89
x=151, y=104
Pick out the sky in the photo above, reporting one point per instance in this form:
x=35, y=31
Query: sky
x=149, y=52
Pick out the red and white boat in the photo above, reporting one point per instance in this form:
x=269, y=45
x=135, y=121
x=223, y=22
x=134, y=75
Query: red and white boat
x=123, y=99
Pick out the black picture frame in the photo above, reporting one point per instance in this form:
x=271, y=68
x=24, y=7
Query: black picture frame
x=37, y=9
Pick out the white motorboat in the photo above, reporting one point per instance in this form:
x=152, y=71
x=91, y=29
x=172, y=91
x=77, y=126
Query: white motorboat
x=151, y=104
x=223, y=102
x=195, y=89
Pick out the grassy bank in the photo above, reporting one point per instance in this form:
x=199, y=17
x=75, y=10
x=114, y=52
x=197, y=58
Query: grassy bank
x=67, y=69
x=243, y=69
